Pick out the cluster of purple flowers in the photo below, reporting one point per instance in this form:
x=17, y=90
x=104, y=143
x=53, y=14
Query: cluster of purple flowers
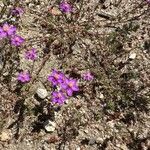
x=9, y=31
x=67, y=86
x=24, y=76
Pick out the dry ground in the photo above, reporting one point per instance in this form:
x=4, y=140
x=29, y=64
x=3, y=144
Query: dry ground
x=108, y=37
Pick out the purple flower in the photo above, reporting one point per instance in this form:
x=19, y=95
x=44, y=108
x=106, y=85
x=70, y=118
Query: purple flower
x=148, y=1
x=17, y=40
x=23, y=77
x=88, y=76
x=56, y=77
x=17, y=11
x=58, y=97
x=31, y=54
x=7, y=30
x=65, y=7
x=70, y=85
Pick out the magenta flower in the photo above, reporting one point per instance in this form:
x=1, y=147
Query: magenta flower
x=148, y=1
x=88, y=76
x=17, y=11
x=65, y=7
x=58, y=97
x=70, y=85
x=56, y=77
x=23, y=77
x=7, y=30
x=17, y=40
x=31, y=54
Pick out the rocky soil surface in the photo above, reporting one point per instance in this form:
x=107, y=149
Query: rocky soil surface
x=109, y=38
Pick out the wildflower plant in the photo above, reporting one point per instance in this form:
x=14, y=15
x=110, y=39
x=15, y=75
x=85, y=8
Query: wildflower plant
x=67, y=85
x=65, y=7
x=70, y=86
x=58, y=97
x=17, y=40
x=87, y=76
x=31, y=54
x=7, y=30
x=56, y=77
x=24, y=77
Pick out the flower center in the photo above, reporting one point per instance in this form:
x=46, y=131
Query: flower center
x=23, y=77
x=59, y=95
x=5, y=28
x=56, y=76
x=70, y=84
x=17, y=39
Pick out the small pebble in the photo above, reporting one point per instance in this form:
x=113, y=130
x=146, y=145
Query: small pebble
x=101, y=96
x=5, y=135
x=50, y=126
x=78, y=148
x=132, y=56
x=92, y=141
x=42, y=93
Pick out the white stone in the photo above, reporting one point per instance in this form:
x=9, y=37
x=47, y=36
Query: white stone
x=42, y=93
x=78, y=148
x=31, y=5
x=13, y=19
x=5, y=135
x=101, y=96
x=99, y=140
x=132, y=55
x=50, y=126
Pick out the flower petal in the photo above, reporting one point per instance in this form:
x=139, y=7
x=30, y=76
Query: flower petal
x=69, y=92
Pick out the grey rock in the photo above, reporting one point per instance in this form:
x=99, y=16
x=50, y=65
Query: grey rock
x=42, y=93
x=92, y=141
